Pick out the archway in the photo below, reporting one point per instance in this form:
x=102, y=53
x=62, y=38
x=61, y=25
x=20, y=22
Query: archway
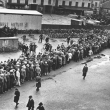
x=2, y=3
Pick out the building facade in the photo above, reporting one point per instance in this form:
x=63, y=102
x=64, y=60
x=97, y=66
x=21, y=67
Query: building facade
x=49, y=6
x=97, y=5
x=55, y=6
x=106, y=7
x=17, y=4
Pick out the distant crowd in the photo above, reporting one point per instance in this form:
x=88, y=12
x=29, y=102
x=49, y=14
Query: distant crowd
x=14, y=72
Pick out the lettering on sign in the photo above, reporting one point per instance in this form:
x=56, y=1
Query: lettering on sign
x=13, y=25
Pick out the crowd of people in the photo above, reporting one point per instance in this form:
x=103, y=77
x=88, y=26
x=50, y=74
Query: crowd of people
x=15, y=72
x=73, y=33
x=8, y=32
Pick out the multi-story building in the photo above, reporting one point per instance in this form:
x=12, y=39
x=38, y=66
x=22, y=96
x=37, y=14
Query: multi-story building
x=67, y=6
x=17, y=4
x=56, y=6
x=105, y=7
x=97, y=4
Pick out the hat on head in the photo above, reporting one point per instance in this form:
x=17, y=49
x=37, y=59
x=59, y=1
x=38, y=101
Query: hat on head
x=16, y=89
x=40, y=103
x=30, y=96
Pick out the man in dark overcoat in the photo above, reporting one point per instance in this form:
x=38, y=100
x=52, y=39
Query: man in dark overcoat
x=85, y=70
x=40, y=107
x=30, y=103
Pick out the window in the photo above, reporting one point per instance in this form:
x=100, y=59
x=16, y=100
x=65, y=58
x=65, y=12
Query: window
x=76, y=4
x=22, y=1
x=70, y=3
x=34, y=1
x=56, y=3
x=82, y=4
x=49, y=2
x=63, y=3
x=89, y=5
x=95, y=4
x=13, y=1
x=42, y=2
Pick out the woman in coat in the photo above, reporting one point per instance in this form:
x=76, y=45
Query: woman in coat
x=16, y=97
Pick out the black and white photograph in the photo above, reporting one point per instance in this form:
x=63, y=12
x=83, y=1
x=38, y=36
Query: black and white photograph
x=54, y=54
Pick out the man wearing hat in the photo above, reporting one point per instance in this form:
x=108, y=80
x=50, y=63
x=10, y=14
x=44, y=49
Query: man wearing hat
x=40, y=107
x=30, y=103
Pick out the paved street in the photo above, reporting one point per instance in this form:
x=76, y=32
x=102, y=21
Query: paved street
x=68, y=91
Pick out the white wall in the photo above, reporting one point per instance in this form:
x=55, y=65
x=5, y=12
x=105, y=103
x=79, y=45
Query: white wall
x=21, y=22
x=98, y=3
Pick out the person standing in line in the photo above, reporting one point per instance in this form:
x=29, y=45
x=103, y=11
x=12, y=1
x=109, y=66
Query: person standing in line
x=30, y=103
x=40, y=107
x=90, y=53
x=85, y=70
x=68, y=40
x=41, y=38
x=18, y=77
x=16, y=97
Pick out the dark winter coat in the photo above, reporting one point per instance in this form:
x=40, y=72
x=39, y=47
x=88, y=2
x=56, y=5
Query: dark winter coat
x=85, y=69
x=40, y=108
x=17, y=95
x=30, y=103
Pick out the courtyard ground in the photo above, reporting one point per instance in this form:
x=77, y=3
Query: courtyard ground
x=67, y=90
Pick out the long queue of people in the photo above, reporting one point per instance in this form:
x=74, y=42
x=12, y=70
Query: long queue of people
x=73, y=33
x=16, y=71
